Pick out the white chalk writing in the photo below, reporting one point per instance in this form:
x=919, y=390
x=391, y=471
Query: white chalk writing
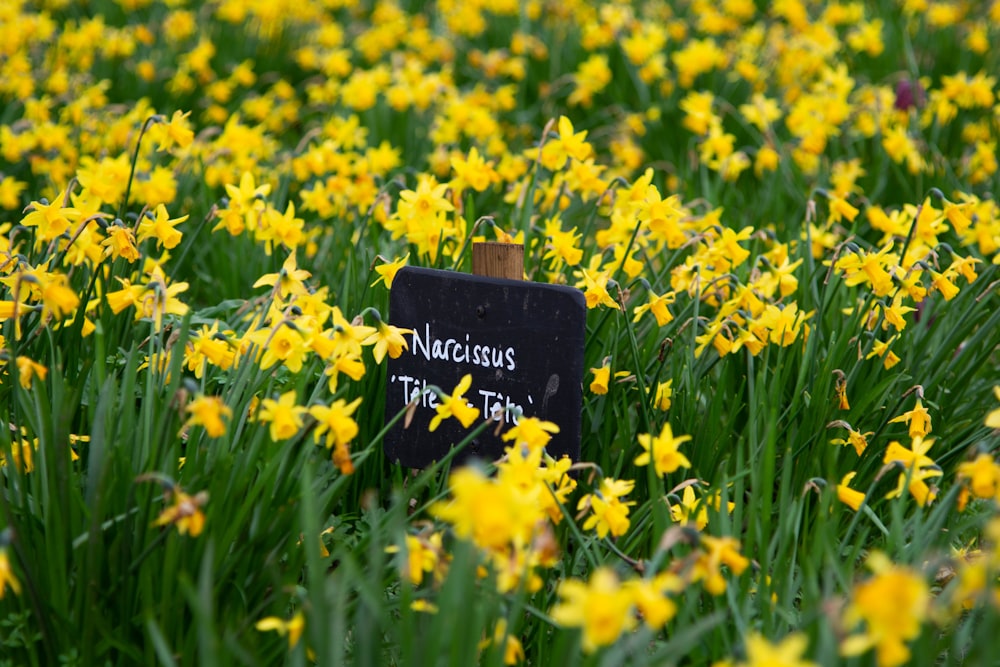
x=461, y=351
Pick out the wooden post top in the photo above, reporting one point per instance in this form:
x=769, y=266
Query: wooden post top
x=498, y=260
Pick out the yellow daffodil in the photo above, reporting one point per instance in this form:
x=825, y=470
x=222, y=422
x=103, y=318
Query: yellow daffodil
x=120, y=243
x=176, y=132
x=208, y=412
x=993, y=418
x=387, y=339
x=715, y=553
x=387, y=271
x=881, y=349
x=23, y=454
x=657, y=305
x=982, y=474
x=602, y=607
x=28, y=370
x=291, y=628
x=867, y=267
x=596, y=289
x=652, y=600
x=158, y=225
x=424, y=554
x=184, y=511
x=513, y=650
x=664, y=394
x=492, y=513
x=918, y=419
x=892, y=605
x=456, y=406
x=841, y=389
x=206, y=346
x=856, y=439
x=917, y=467
x=608, y=513
x=52, y=219
x=532, y=432
x=289, y=280
x=662, y=451
x=689, y=509
x=473, y=171
x=602, y=376
x=284, y=342
x=847, y=495
x=335, y=422
x=283, y=415
x=7, y=577
x=786, y=653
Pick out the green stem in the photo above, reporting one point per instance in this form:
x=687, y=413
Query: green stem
x=135, y=158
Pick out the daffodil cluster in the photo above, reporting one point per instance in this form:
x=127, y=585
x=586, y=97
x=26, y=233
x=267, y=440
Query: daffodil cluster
x=511, y=516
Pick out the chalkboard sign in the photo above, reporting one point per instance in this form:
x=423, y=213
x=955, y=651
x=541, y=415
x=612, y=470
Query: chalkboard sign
x=521, y=342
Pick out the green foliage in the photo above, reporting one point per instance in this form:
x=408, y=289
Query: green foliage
x=133, y=535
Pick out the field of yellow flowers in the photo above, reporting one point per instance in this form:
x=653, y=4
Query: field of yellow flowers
x=783, y=219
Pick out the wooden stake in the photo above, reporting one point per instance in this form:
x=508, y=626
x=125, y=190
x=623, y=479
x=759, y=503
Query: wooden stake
x=498, y=260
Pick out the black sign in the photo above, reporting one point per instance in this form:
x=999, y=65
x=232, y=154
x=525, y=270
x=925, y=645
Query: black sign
x=521, y=342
